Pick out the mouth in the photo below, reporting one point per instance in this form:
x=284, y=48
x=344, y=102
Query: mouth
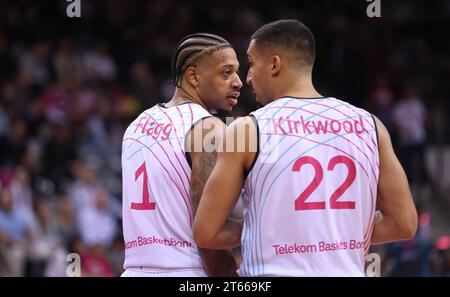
x=233, y=97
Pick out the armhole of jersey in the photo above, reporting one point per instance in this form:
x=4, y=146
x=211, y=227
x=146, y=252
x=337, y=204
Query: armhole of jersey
x=376, y=132
x=186, y=153
x=257, y=147
x=378, y=147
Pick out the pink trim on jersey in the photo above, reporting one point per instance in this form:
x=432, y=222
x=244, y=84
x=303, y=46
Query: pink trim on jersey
x=318, y=142
x=342, y=136
x=322, y=116
x=176, y=185
x=346, y=115
x=181, y=179
x=367, y=235
x=192, y=115
x=371, y=138
x=372, y=218
x=369, y=238
x=174, y=126
x=341, y=112
x=182, y=118
x=362, y=167
x=179, y=162
x=373, y=126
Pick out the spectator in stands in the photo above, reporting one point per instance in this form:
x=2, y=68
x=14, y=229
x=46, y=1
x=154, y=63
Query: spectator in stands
x=409, y=116
x=14, y=234
x=99, y=216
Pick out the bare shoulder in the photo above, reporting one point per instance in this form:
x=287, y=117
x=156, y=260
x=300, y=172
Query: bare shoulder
x=211, y=129
x=243, y=122
x=383, y=134
x=208, y=124
x=241, y=140
x=242, y=129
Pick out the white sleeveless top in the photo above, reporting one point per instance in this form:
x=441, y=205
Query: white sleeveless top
x=157, y=211
x=309, y=198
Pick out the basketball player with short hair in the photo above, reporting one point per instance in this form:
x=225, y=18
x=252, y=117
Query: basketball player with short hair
x=165, y=169
x=312, y=182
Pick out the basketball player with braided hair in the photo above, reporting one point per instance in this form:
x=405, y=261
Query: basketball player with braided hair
x=168, y=152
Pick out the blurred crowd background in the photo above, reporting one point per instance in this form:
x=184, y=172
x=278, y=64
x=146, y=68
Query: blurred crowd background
x=70, y=86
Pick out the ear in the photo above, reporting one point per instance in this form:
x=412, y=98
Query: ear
x=191, y=75
x=275, y=65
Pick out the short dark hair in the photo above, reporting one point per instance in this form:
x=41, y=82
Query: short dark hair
x=288, y=34
x=191, y=48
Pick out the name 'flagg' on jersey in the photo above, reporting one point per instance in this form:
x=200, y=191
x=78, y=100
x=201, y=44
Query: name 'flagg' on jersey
x=157, y=211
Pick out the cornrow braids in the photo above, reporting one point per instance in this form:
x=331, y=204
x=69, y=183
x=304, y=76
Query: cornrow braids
x=191, y=48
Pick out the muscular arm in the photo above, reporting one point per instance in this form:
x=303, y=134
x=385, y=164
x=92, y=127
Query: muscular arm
x=213, y=227
x=202, y=166
x=399, y=216
x=216, y=262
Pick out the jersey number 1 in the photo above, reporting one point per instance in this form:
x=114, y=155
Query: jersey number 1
x=145, y=204
x=300, y=202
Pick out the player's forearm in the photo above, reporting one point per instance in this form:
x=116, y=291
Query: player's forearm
x=388, y=229
x=227, y=237
x=383, y=232
x=230, y=237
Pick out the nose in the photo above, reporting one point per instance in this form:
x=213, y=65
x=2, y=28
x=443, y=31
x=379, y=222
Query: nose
x=249, y=78
x=237, y=83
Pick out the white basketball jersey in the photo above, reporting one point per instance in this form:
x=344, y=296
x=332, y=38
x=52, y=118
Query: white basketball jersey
x=157, y=211
x=310, y=196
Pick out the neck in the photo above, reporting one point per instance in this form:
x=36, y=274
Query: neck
x=302, y=88
x=183, y=95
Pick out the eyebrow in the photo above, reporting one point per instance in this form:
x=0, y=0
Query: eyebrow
x=224, y=66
